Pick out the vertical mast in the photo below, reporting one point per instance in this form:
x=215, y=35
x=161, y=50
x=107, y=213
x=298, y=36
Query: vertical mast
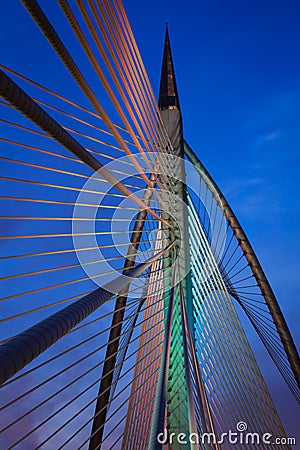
x=175, y=181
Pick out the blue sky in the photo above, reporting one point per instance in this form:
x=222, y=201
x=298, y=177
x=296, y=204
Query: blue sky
x=238, y=69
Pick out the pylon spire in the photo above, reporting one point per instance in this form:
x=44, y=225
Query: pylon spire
x=168, y=95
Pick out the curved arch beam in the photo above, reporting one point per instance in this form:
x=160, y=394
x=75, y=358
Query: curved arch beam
x=254, y=264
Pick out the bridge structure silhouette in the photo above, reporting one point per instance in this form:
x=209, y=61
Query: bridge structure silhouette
x=123, y=265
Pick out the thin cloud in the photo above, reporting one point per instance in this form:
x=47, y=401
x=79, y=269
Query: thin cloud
x=236, y=186
x=268, y=137
x=271, y=136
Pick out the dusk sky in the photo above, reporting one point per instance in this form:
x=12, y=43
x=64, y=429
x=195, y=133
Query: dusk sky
x=237, y=66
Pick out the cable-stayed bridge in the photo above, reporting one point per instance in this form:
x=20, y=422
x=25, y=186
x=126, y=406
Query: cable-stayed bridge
x=122, y=262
